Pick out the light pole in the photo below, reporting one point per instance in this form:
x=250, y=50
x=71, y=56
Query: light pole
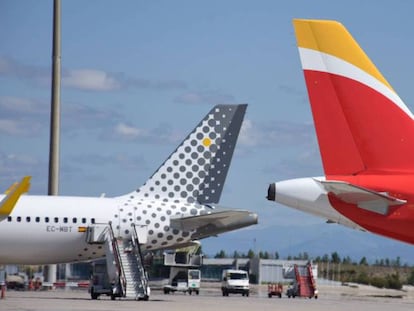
x=53, y=183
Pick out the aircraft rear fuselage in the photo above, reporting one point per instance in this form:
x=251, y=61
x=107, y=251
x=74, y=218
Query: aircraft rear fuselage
x=48, y=229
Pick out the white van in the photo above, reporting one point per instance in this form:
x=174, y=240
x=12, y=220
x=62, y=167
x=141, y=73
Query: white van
x=235, y=282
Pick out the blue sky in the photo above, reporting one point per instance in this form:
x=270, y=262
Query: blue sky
x=137, y=76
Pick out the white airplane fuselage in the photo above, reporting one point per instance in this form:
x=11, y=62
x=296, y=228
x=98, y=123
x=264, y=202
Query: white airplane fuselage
x=306, y=194
x=173, y=207
x=45, y=229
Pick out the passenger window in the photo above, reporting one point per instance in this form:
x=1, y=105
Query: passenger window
x=74, y=220
x=9, y=218
x=65, y=220
x=92, y=220
x=27, y=219
x=46, y=219
x=19, y=219
x=37, y=219
x=84, y=220
x=56, y=219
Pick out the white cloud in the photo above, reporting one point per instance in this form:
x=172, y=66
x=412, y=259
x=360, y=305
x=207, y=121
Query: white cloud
x=90, y=80
x=84, y=78
x=190, y=98
x=248, y=135
x=129, y=132
x=274, y=133
x=161, y=134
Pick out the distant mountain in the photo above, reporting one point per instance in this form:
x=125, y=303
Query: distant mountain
x=316, y=240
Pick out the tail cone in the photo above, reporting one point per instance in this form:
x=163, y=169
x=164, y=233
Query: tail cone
x=271, y=192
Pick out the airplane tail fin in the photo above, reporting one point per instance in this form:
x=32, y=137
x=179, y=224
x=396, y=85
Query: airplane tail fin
x=361, y=122
x=197, y=169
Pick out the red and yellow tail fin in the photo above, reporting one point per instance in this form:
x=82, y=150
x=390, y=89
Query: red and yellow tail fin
x=360, y=121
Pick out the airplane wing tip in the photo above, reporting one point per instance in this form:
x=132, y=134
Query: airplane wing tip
x=13, y=194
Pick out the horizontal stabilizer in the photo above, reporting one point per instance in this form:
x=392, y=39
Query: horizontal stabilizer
x=214, y=223
x=377, y=202
x=13, y=194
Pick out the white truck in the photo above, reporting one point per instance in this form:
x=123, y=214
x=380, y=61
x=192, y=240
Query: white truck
x=235, y=282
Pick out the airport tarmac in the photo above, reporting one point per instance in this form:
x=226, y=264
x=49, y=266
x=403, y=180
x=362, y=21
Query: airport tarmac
x=331, y=298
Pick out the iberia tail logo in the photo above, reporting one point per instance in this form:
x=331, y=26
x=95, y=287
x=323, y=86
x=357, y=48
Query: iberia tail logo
x=361, y=122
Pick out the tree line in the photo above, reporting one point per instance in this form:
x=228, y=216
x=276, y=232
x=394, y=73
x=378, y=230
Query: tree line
x=333, y=258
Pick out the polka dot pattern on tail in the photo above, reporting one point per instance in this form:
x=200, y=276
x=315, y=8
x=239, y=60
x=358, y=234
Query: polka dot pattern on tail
x=207, y=152
x=194, y=173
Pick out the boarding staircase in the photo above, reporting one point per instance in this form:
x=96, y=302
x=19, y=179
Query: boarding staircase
x=124, y=260
x=305, y=281
x=312, y=279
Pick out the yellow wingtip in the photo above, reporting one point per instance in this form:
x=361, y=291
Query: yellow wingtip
x=13, y=194
x=11, y=188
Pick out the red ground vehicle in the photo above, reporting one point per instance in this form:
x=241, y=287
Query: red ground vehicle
x=274, y=290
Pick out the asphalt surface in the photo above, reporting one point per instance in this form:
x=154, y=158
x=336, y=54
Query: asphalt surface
x=330, y=298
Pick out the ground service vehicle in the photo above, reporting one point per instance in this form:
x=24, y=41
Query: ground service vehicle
x=235, y=282
x=185, y=280
x=194, y=280
x=99, y=283
x=304, y=284
x=274, y=290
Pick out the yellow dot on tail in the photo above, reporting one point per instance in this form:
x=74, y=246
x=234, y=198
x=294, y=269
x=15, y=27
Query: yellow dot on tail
x=206, y=142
